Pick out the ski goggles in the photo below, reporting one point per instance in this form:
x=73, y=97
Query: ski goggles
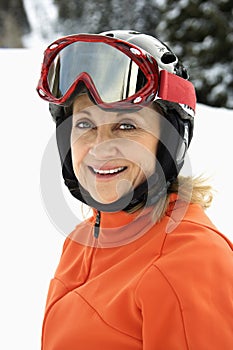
x=116, y=73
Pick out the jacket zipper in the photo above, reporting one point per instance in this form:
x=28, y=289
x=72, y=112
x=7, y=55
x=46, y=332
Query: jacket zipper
x=97, y=224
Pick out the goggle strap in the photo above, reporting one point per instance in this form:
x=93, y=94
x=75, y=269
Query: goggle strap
x=176, y=89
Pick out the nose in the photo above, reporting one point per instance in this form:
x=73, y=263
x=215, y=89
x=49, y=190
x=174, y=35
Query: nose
x=105, y=145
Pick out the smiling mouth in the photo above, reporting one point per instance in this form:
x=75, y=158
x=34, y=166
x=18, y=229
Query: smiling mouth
x=108, y=172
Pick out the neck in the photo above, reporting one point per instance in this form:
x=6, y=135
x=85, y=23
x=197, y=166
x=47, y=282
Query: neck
x=120, y=228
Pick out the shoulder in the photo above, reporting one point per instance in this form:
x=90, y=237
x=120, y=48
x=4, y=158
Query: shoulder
x=190, y=285
x=195, y=243
x=76, y=245
x=188, y=227
x=194, y=255
x=81, y=236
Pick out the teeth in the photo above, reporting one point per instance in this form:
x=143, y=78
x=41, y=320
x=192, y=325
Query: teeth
x=106, y=172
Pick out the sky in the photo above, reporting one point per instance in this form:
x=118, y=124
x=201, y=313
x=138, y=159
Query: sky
x=31, y=240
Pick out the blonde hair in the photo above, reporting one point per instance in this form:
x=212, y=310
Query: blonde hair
x=201, y=191
x=194, y=190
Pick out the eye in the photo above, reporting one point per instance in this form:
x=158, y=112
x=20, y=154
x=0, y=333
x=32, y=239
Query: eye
x=84, y=124
x=127, y=126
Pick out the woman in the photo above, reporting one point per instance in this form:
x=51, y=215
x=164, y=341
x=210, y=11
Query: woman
x=148, y=270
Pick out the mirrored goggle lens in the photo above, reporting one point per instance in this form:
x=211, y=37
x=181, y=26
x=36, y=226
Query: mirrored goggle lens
x=114, y=75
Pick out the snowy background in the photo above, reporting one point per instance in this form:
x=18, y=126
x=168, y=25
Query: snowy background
x=31, y=243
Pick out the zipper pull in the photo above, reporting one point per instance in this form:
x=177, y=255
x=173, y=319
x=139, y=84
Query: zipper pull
x=97, y=225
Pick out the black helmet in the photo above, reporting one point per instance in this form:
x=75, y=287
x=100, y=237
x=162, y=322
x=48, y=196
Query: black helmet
x=173, y=144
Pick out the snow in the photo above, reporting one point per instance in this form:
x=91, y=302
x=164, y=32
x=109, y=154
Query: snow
x=43, y=19
x=31, y=242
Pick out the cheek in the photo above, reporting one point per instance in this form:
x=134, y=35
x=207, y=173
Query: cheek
x=150, y=156
x=142, y=153
x=78, y=153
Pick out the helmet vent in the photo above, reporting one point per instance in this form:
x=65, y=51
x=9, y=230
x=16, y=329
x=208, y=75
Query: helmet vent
x=168, y=57
x=110, y=34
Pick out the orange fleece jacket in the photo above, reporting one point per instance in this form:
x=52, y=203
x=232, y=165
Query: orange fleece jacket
x=143, y=286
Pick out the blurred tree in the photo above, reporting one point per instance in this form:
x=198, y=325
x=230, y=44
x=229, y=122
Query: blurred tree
x=70, y=12
x=201, y=32
x=13, y=23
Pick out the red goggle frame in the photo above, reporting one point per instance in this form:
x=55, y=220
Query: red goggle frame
x=114, y=71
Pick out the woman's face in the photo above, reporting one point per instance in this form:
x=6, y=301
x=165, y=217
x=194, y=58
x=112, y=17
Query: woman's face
x=112, y=151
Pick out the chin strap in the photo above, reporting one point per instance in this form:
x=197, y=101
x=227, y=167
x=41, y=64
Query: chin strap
x=146, y=194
